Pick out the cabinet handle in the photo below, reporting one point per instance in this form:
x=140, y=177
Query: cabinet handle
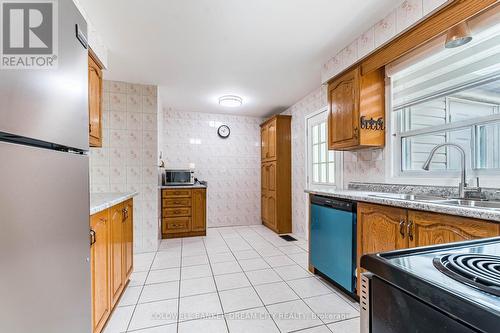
x=410, y=230
x=402, y=228
x=92, y=237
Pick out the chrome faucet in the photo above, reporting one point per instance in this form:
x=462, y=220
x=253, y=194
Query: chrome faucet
x=463, y=182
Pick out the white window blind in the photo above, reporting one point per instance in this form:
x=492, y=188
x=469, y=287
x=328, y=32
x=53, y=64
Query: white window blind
x=446, y=71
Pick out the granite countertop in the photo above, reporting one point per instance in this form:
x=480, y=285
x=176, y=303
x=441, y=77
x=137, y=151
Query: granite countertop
x=102, y=201
x=365, y=196
x=195, y=185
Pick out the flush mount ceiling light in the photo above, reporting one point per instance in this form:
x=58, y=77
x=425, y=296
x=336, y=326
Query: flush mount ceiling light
x=231, y=101
x=458, y=35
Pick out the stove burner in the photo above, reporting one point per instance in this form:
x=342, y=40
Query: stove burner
x=476, y=270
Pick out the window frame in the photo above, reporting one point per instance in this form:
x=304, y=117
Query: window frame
x=398, y=136
x=338, y=156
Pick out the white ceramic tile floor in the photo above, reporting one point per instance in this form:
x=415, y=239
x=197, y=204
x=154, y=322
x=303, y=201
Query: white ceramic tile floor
x=236, y=279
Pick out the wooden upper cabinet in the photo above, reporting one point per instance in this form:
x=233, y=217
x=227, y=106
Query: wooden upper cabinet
x=116, y=274
x=356, y=106
x=269, y=140
x=271, y=146
x=264, y=142
x=128, y=239
x=99, y=265
x=344, y=111
x=425, y=228
x=95, y=102
x=199, y=210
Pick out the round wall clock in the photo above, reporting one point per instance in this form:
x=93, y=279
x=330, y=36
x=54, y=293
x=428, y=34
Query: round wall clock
x=224, y=131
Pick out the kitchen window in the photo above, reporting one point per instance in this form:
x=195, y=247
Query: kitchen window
x=447, y=96
x=321, y=162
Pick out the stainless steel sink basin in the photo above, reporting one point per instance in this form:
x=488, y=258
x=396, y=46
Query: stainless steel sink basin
x=493, y=205
x=469, y=203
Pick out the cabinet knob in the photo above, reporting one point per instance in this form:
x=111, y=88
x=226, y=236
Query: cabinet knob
x=402, y=228
x=410, y=230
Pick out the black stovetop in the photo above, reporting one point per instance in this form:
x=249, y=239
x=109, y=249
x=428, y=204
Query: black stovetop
x=420, y=272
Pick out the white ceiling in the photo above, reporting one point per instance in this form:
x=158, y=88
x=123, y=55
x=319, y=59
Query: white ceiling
x=267, y=51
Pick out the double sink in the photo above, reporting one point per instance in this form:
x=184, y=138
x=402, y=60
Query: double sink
x=493, y=205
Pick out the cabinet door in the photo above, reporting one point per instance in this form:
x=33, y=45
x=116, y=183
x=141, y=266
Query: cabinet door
x=95, y=103
x=271, y=146
x=263, y=208
x=99, y=265
x=380, y=228
x=271, y=209
x=264, y=142
x=199, y=210
x=116, y=219
x=264, y=177
x=271, y=176
x=426, y=228
x=343, y=119
x=128, y=238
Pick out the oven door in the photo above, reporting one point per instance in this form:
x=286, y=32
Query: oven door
x=394, y=311
x=178, y=177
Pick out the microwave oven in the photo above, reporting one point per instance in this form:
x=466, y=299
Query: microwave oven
x=179, y=177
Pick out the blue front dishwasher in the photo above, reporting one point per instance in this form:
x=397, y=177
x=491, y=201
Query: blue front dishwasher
x=333, y=240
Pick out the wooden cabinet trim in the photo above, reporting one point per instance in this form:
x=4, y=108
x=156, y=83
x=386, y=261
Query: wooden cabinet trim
x=437, y=24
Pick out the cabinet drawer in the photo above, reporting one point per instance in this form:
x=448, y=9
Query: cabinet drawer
x=177, y=212
x=176, y=224
x=179, y=193
x=177, y=202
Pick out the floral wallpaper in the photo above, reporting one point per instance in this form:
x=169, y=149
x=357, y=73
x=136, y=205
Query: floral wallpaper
x=128, y=158
x=230, y=166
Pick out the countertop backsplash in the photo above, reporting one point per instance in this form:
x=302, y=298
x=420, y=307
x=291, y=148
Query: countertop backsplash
x=127, y=161
x=440, y=191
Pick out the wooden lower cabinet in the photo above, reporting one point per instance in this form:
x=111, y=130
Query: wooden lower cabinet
x=199, y=210
x=99, y=265
x=184, y=212
x=128, y=239
x=117, y=283
x=111, y=259
x=384, y=228
x=427, y=228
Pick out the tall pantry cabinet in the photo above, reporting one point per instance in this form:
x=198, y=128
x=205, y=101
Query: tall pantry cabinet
x=276, y=174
